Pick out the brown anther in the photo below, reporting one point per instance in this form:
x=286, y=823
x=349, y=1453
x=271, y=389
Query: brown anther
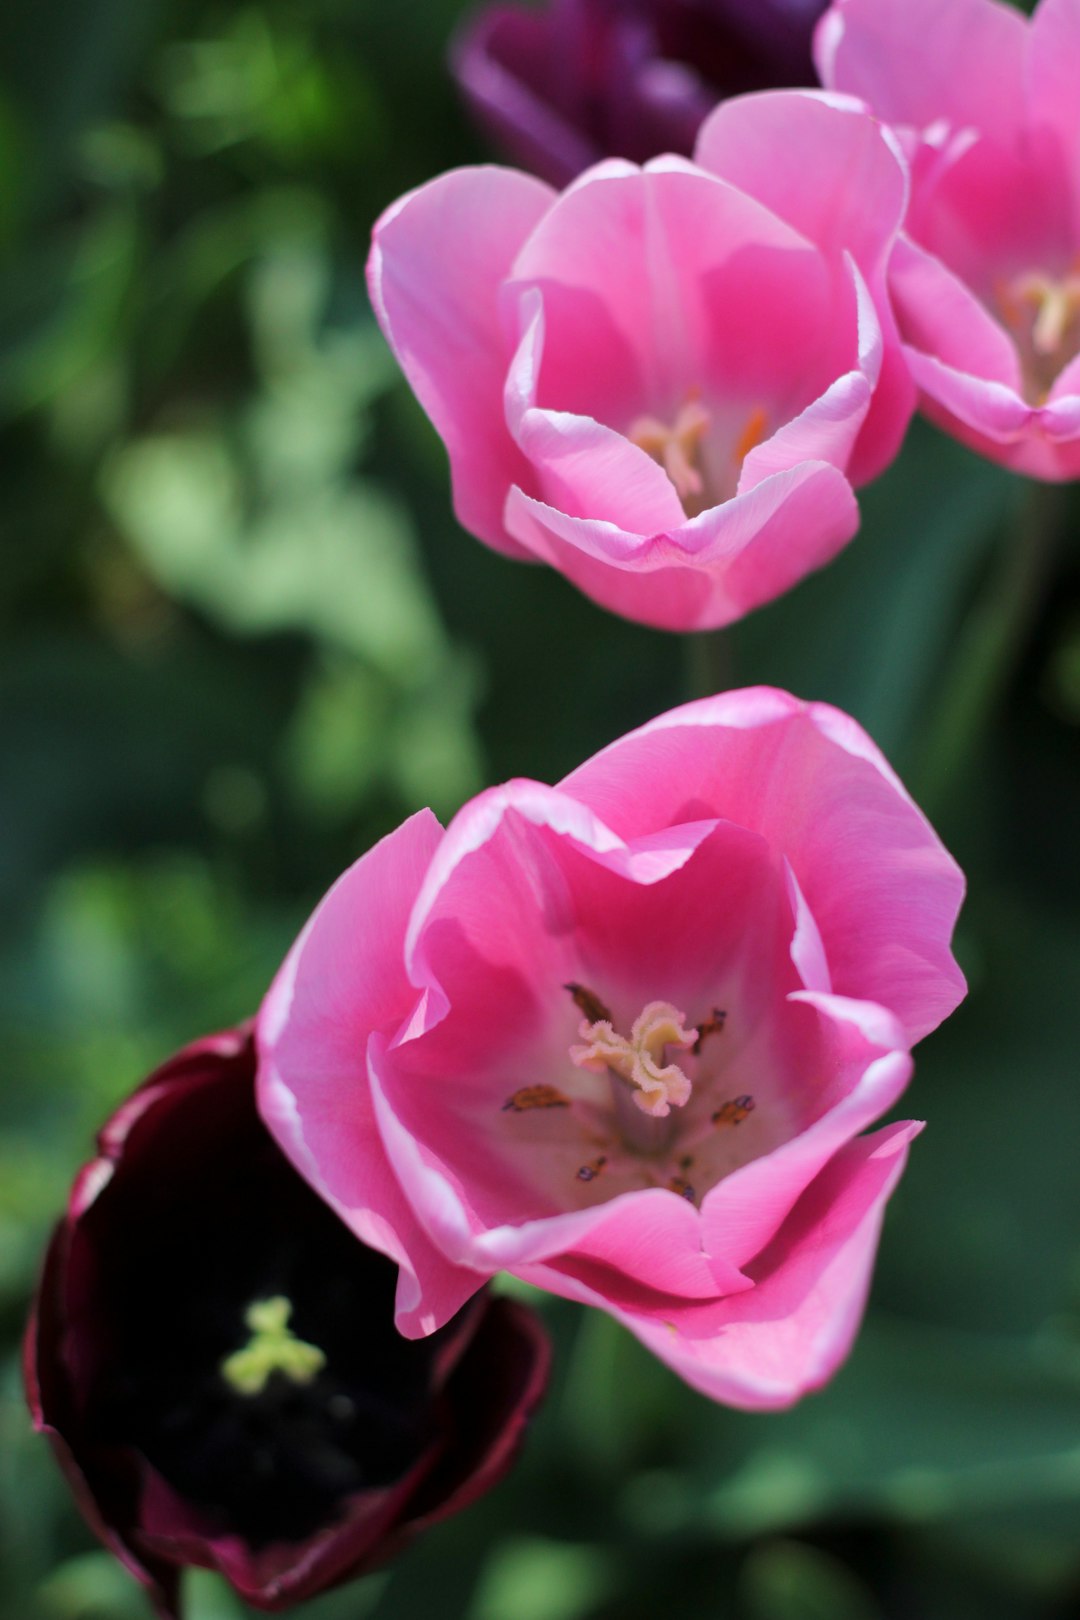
x=734, y=1112
x=709, y=1026
x=686, y=1161
x=680, y=1185
x=589, y=1172
x=530, y=1097
x=590, y=1006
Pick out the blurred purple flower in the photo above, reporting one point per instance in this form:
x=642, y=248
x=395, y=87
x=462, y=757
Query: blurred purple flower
x=213, y=1357
x=561, y=85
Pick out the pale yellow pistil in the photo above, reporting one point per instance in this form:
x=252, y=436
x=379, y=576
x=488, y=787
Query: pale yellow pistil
x=273, y=1347
x=658, y=1086
x=677, y=448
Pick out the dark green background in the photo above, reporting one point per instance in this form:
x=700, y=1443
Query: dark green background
x=241, y=636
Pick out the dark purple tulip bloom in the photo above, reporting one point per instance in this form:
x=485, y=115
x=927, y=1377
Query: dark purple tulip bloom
x=563, y=84
x=213, y=1356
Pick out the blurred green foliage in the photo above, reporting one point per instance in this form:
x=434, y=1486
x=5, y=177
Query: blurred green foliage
x=242, y=637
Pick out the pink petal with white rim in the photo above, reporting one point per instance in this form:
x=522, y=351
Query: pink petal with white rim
x=787, y=1335
x=829, y=427
x=918, y=61
x=742, y=1213
x=939, y=315
x=883, y=890
x=339, y=982
x=583, y=467
x=714, y=568
x=438, y=258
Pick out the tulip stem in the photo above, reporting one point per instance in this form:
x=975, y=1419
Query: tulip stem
x=987, y=647
x=709, y=663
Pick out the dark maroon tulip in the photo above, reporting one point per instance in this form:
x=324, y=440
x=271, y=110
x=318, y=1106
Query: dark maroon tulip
x=213, y=1356
x=563, y=84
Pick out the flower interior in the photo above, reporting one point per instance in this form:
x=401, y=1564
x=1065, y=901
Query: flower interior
x=642, y=1037
x=1042, y=314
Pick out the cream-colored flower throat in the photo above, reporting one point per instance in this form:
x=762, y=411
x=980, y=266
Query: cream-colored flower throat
x=681, y=448
x=642, y=1138
x=1043, y=314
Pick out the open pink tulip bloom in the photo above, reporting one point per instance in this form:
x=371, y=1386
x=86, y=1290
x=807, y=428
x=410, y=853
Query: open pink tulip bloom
x=986, y=279
x=620, y=1036
x=664, y=380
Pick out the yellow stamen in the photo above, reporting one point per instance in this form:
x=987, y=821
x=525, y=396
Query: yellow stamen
x=273, y=1347
x=639, y=1060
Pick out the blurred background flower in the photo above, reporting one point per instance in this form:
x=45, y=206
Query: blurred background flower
x=564, y=83
x=241, y=636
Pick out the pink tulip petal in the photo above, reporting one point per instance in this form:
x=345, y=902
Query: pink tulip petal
x=1053, y=55
x=688, y=247
x=828, y=428
x=918, y=61
x=438, y=259
x=859, y=195
x=584, y=468
x=990, y=213
x=883, y=890
x=789, y=1334
x=339, y=981
x=713, y=569
x=940, y=316
x=870, y=1067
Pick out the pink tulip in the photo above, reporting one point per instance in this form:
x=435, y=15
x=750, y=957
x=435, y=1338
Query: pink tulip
x=986, y=279
x=662, y=381
x=618, y=1037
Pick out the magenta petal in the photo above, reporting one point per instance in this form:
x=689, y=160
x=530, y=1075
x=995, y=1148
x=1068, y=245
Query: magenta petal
x=918, y=61
x=343, y=979
x=788, y=1334
x=438, y=258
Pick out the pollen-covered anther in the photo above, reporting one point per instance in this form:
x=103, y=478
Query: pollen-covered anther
x=734, y=1112
x=640, y=1060
x=526, y=1098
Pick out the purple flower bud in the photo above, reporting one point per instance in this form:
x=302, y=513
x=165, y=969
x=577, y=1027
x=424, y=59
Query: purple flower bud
x=213, y=1356
x=561, y=85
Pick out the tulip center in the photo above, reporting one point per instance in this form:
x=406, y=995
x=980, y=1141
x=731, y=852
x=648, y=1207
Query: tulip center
x=664, y=1119
x=272, y=1348
x=678, y=450
x=681, y=449
x=1043, y=313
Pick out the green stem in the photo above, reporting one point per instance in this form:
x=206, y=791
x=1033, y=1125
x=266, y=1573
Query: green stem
x=988, y=645
x=709, y=663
